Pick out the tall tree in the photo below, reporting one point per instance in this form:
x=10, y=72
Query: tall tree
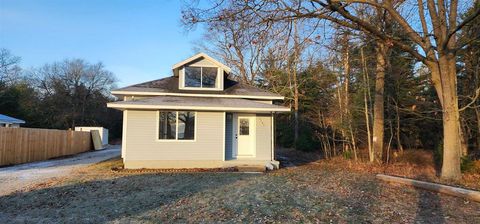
x=469, y=80
x=73, y=91
x=9, y=67
x=438, y=19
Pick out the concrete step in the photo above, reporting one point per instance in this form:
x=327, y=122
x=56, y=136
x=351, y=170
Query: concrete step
x=250, y=168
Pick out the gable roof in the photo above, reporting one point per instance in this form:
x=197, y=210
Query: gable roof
x=198, y=103
x=10, y=120
x=169, y=86
x=198, y=56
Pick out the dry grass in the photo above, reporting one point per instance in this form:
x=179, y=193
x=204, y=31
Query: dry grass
x=416, y=164
x=336, y=191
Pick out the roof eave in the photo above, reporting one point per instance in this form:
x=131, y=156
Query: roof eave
x=136, y=93
x=200, y=55
x=12, y=122
x=196, y=108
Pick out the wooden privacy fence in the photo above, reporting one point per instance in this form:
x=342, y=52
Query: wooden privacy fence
x=22, y=145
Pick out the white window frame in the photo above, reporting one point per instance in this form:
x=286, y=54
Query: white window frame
x=218, y=81
x=176, y=127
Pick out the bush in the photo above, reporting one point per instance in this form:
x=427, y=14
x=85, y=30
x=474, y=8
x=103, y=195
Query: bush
x=438, y=155
x=467, y=164
x=304, y=143
x=306, y=140
x=285, y=135
x=347, y=155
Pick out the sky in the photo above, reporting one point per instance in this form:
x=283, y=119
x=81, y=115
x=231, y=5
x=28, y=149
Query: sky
x=137, y=40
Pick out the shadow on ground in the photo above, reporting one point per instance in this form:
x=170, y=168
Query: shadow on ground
x=429, y=206
x=309, y=193
x=293, y=158
x=106, y=200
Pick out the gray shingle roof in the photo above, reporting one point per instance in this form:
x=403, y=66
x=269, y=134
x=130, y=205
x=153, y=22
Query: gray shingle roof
x=198, y=103
x=170, y=85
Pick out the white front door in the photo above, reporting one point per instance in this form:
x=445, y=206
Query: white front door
x=245, y=135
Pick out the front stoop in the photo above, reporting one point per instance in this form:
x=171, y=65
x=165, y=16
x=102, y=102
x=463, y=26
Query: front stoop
x=251, y=168
x=252, y=165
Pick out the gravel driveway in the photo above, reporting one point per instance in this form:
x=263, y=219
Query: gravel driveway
x=18, y=177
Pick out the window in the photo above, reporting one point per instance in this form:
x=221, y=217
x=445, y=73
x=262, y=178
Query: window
x=193, y=76
x=186, y=125
x=176, y=125
x=244, y=126
x=201, y=77
x=167, y=125
x=209, y=77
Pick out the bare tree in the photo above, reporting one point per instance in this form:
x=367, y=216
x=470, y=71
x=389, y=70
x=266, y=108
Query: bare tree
x=435, y=41
x=9, y=66
x=73, y=86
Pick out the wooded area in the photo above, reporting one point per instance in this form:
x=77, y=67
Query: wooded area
x=366, y=79
x=22, y=145
x=60, y=95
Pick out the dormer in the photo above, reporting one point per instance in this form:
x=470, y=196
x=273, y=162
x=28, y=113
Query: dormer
x=201, y=72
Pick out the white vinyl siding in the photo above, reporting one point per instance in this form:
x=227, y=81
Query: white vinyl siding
x=202, y=62
x=143, y=144
x=264, y=137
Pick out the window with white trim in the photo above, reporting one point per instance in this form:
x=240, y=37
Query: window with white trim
x=201, y=77
x=176, y=125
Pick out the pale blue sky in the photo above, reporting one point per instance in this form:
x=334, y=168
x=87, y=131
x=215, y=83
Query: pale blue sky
x=137, y=40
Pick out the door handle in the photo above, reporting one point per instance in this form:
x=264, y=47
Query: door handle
x=236, y=136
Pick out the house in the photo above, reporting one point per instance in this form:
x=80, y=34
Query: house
x=197, y=118
x=6, y=121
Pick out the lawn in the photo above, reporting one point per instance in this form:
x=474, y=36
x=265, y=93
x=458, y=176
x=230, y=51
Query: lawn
x=322, y=191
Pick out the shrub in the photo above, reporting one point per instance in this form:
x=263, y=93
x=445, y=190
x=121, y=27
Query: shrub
x=438, y=155
x=307, y=140
x=347, y=154
x=285, y=135
x=467, y=164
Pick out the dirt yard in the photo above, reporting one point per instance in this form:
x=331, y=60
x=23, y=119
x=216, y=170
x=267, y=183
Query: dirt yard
x=321, y=191
x=17, y=177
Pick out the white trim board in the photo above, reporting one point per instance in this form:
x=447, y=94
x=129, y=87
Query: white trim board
x=197, y=108
x=196, y=95
x=200, y=55
x=124, y=134
x=224, y=131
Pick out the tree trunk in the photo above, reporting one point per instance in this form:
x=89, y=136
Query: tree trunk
x=477, y=115
x=378, y=107
x=399, y=142
x=463, y=139
x=366, y=97
x=346, y=107
x=295, y=80
x=451, y=137
x=295, y=102
x=446, y=90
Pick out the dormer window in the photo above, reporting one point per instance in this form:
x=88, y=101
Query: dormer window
x=200, y=73
x=201, y=77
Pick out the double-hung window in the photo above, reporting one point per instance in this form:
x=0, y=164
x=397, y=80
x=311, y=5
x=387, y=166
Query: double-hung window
x=201, y=77
x=176, y=125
